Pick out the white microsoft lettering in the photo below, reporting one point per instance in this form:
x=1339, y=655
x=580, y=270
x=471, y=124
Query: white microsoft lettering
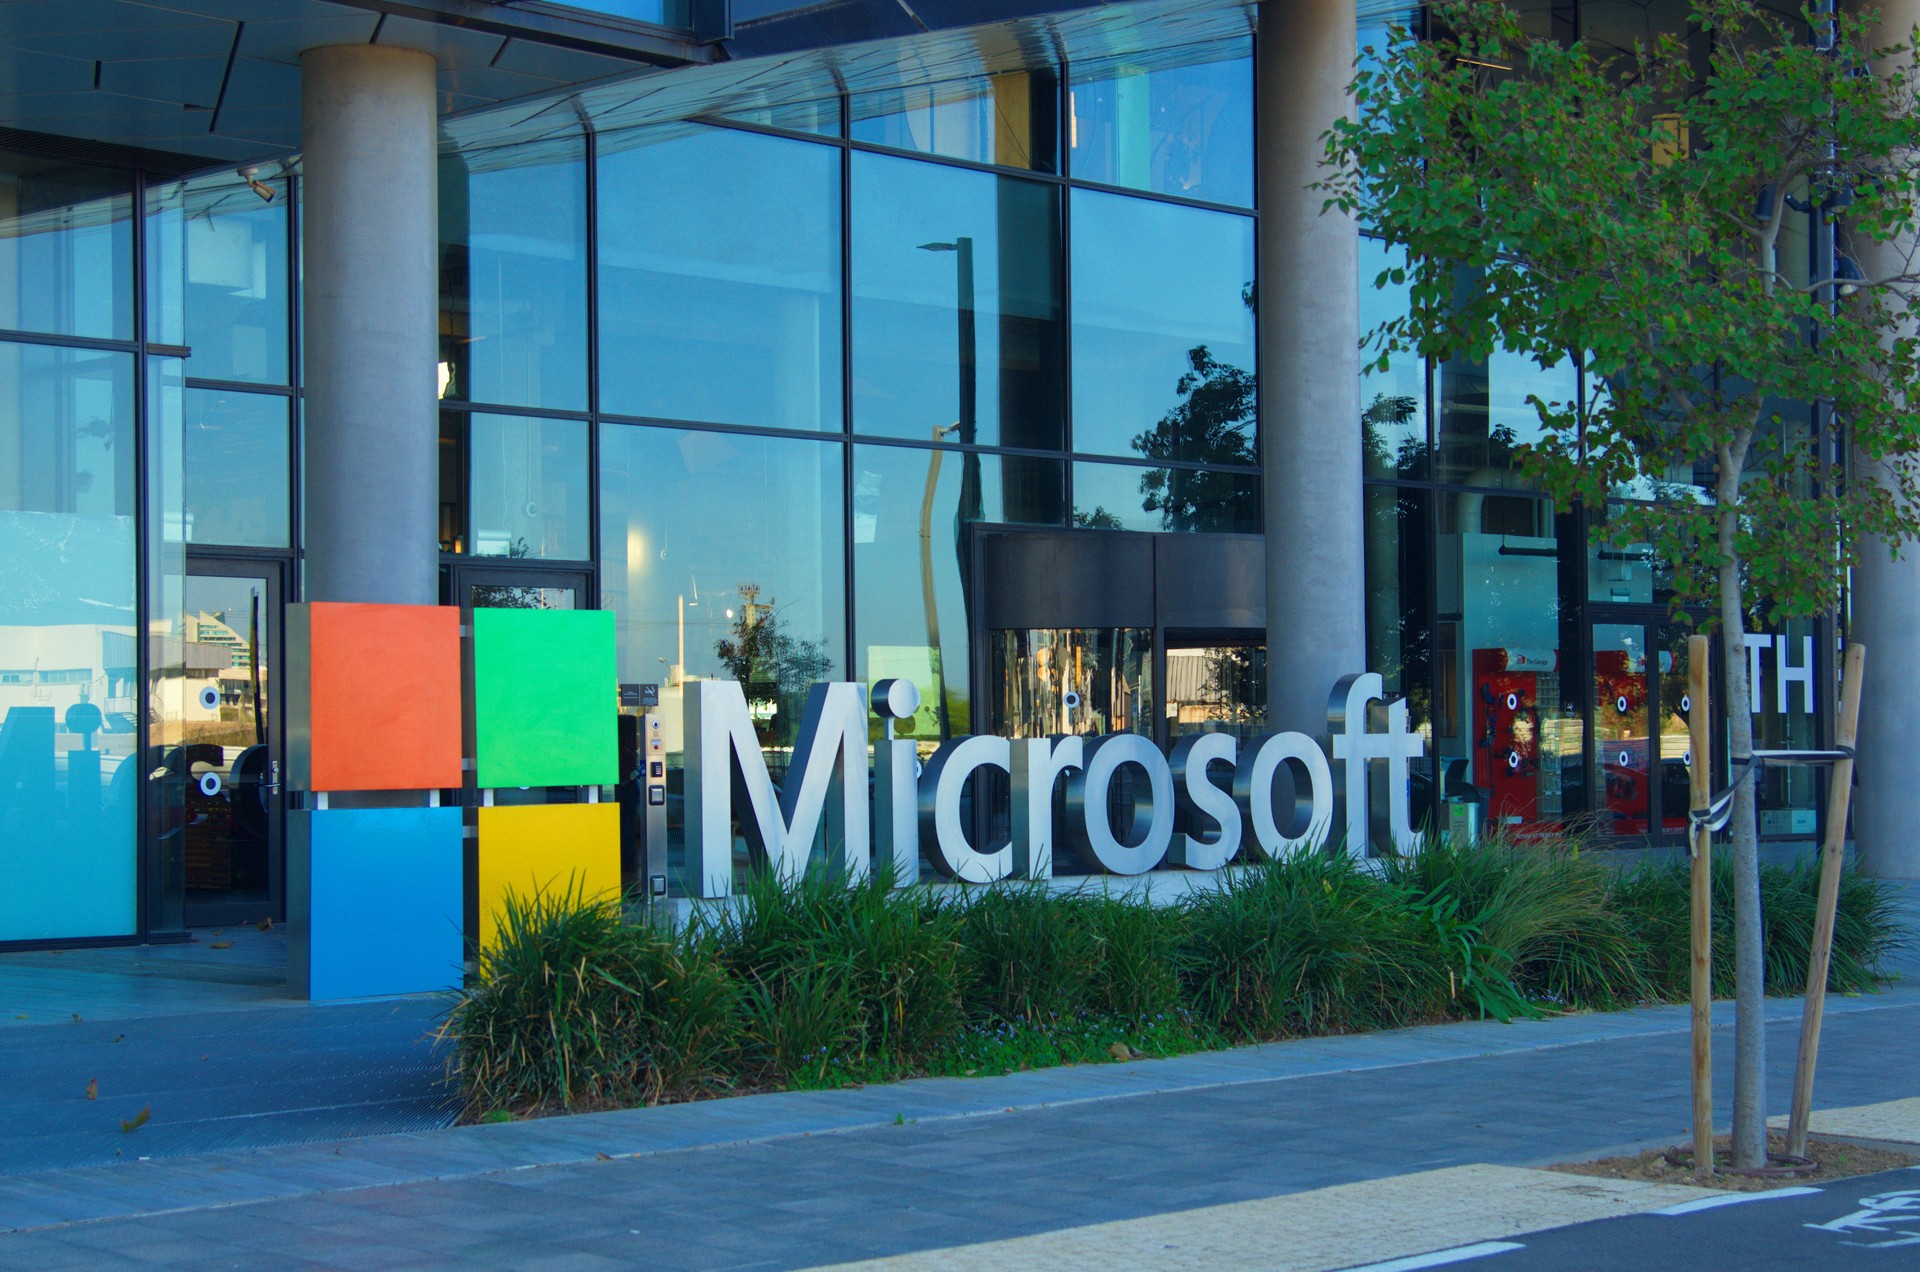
x=1188, y=817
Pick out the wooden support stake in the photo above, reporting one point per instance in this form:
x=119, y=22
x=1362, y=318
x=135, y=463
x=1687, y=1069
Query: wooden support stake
x=1839, y=798
x=1700, y=844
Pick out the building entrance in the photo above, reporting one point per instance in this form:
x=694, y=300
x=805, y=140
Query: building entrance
x=228, y=811
x=1110, y=632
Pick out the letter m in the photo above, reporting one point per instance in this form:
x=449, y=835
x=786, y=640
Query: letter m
x=826, y=776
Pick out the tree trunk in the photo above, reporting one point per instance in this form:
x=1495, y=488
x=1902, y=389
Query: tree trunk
x=1749, y=1146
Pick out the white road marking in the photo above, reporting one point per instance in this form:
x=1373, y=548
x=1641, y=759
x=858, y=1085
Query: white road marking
x=1734, y=1199
x=1440, y=1258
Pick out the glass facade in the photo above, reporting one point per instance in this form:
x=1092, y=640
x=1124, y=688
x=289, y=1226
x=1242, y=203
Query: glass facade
x=762, y=383
x=1543, y=660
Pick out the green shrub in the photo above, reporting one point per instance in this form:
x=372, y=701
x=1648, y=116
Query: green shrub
x=898, y=959
x=1030, y=956
x=1136, y=974
x=574, y=1005
x=1547, y=908
x=1655, y=902
x=809, y=982
x=1306, y=946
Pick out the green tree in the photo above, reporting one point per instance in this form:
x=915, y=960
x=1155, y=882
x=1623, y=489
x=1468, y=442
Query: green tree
x=1636, y=208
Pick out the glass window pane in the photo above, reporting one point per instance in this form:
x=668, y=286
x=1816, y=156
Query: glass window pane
x=1010, y=119
x=1400, y=639
x=70, y=699
x=66, y=248
x=1216, y=688
x=233, y=301
x=1485, y=416
x=720, y=278
x=1393, y=403
x=1179, y=124
x=1127, y=497
x=722, y=555
x=1785, y=711
x=913, y=510
x=237, y=478
x=956, y=305
x=1506, y=703
x=1163, y=353
x=513, y=275
x=820, y=117
x=529, y=487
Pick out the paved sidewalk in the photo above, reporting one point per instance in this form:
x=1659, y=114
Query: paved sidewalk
x=803, y=1178
x=766, y=1185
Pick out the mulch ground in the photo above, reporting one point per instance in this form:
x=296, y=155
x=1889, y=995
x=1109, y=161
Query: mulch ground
x=1833, y=1159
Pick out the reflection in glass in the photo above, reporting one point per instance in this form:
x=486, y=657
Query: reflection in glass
x=1485, y=416
x=66, y=248
x=225, y=731
x=720, y=278
x=235, y=463
x=1399, y=623
x=1500, y=705
x=1010, y=119
x=528, y=487
x=1163, y=352
x=1393, y=403
x=1623, y=751
x=1181, y=125
x=513, y=275
x=1785, y=719
x=1624, y=573
x=956, y=305
x=217, y=276
x=1216, y=688
x=1039, y=674
x=70, y=697
x=1126, y=497
x=721, y=556
x=820, y=117
x=913, y=511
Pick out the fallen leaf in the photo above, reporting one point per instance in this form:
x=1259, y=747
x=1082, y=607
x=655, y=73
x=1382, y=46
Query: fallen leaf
x=266, y=924
x=93, y=1088
x=217, y=945
x=1120, y=1051
x=119, y=1037
x=605, y=1157
x=140, y=1119
x=76, y=1017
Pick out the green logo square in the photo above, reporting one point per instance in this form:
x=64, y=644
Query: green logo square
x=545, y=698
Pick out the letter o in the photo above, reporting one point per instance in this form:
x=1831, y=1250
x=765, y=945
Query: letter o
x=1312, y=819
x=1087, y=792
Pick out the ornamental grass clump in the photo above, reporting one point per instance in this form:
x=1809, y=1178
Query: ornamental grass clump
x=810, y=982
x=1547, y=908
x=1308, y=945
x=1653, y=902
x=573, y=1006
x=838, y=976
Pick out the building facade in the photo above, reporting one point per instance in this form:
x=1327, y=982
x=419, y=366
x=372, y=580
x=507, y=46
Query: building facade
x=1002, y=352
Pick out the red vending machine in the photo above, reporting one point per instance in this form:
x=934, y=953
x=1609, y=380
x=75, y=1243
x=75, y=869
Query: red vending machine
x=1508, y=685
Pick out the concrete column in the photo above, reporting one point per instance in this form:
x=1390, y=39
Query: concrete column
x=1886, y=618
x=1309, y=367
x=371, y=308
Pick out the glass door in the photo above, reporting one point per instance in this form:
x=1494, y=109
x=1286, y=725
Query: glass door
x=474, y=586
x=1640, y=759
x=225, y=768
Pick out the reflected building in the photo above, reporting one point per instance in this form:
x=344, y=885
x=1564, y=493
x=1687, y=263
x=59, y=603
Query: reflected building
x=814, y=341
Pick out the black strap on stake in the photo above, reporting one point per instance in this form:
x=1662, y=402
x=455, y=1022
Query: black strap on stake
x=1720, y=809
